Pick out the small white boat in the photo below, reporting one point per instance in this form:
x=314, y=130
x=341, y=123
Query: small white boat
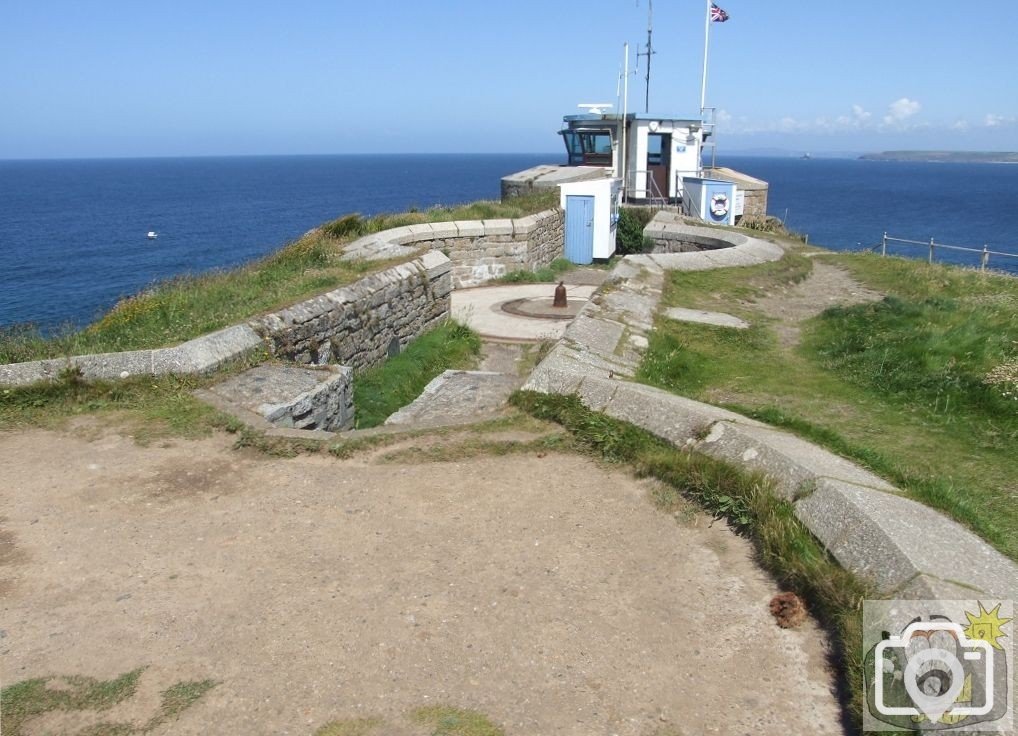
x=152, y=235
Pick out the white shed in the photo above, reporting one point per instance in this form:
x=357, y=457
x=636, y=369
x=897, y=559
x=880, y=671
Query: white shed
x=592, y=214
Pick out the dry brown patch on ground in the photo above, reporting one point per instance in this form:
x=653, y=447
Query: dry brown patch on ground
x=546, y=593
x=826, y=286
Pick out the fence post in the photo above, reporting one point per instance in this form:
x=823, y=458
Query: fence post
x=883, y=245
x=985, y=259
x=931, y=250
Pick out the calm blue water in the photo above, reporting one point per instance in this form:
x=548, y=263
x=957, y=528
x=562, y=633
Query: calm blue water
x=72, y=233
x=847, y=204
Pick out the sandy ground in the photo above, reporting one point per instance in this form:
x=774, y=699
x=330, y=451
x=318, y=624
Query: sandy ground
x=546, y=592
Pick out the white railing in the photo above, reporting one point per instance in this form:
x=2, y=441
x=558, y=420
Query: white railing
x=984, y=252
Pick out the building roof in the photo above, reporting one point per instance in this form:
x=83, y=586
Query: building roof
x=615, y=118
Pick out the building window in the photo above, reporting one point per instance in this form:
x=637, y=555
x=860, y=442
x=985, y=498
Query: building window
x=588, y=147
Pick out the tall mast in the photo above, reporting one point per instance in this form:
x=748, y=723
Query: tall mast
x=650, y=49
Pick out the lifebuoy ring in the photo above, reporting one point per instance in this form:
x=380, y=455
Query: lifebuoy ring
x=719, y=205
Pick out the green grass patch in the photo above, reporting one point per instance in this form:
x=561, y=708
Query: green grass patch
x=29, y=699
x=153, y=407
x=444, y=720
x=479, y=447
x=354, y=225
x=548, y=274
x=380, y=391
x=917, y=387
x=785, y=546
x=350, y=727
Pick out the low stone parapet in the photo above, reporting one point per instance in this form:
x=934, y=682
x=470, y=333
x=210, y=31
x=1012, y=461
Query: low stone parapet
x=479, y=250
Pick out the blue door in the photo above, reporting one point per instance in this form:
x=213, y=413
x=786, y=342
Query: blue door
x=579, y=229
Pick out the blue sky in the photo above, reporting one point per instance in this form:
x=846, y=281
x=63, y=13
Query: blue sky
x=82, y=79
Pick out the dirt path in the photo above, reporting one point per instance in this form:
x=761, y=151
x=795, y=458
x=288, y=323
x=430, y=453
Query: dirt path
x=825, y=287
x=545, y=592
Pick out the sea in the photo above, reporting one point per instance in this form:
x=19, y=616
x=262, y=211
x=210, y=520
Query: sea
x=73, y=232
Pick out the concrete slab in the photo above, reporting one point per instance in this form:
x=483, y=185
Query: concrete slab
x=892, y=540
x=458, y=395
x=670, y=417
x=795, y=464
x=207, y=352
x=291, y=397
x=443, y=230
x=469, y=228
x=597, y=335
x=498, y=227
x=717, y=319
x=108, y=366
x=698, y=261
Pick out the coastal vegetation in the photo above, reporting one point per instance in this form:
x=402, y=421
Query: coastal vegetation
x=189, y=306
x=919, y=386
x=33, y=698
x=380, y=391
x=356, y=225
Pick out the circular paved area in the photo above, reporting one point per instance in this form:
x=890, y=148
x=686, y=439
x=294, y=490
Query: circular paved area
x=481, y=309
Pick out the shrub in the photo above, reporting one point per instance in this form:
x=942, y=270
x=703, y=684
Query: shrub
x=629, y=235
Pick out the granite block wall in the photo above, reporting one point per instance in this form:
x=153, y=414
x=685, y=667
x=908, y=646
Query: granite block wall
x=361, y=324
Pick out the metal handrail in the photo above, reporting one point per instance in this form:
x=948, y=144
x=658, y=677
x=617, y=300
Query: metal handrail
x=651, y=187
x=692, y=201
x=983, y=252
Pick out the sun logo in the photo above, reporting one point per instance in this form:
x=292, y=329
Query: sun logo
x=987, y=626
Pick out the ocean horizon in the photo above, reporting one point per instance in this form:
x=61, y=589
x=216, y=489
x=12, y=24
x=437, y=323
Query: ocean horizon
x=73, y=231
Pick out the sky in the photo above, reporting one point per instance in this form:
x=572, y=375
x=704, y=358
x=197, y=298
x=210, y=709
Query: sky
x=220, y=77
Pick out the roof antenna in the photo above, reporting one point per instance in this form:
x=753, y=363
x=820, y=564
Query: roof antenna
x=649, y=52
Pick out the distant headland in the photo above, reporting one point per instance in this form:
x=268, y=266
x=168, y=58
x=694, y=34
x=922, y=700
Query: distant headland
x=954, y=157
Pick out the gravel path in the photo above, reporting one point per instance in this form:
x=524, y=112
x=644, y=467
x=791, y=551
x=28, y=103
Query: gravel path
x=826, y=286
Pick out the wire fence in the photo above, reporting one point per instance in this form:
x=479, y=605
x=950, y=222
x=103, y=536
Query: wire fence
x=932, y=246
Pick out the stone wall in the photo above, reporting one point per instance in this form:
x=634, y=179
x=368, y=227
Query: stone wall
x=480, y=250
x=361, y=324
x=671, y=234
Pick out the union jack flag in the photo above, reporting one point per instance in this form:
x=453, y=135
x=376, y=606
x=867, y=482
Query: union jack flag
x=717, y=15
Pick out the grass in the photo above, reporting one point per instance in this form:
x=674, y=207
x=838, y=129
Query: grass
x=355, y=225
x=444, y=720
x=479, y=447
x=785, y=547
x=350, y=727
x=152, y=407
x=29, y=699
x=546, y=275
x=380, y=391
x=904, y=386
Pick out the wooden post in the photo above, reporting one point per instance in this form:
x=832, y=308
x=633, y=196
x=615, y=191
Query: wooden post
x=985, y=259
x=883, y=245
x=931, y=250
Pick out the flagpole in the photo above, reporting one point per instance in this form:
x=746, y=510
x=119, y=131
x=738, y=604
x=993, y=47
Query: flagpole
x=706, y=45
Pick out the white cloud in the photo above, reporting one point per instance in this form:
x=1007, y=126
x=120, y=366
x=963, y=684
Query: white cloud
x=901, y=110
x=960, y=125
x=993, y=120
